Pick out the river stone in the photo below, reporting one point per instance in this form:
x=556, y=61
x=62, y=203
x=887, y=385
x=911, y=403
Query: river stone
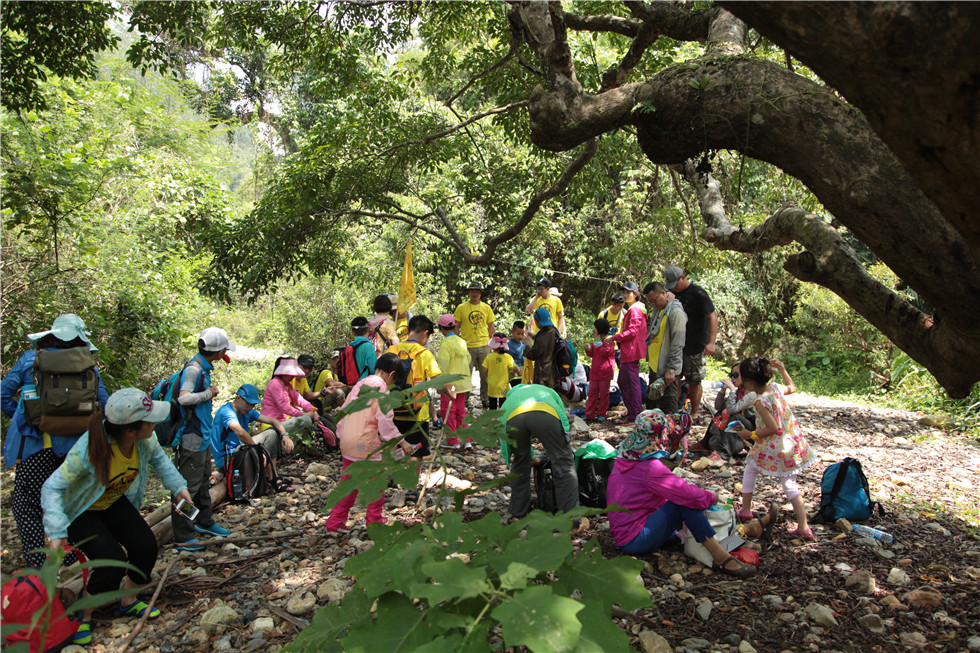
x=924, y=597
x=262, y=624
x=319, y=469
x=861, y=581
x=822, y=615
x=897, y=577
x=219, y=614
x=745, y=647
x=332, y=590
x=704, y=609
x=301, y=604
x=913, y=640
x=695, y=643
x=972, y=644
x=652, y=642
x=872, y=622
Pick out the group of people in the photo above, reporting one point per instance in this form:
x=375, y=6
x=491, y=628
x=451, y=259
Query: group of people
x=86, y=486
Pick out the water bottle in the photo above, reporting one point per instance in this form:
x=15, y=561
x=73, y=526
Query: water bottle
x=29, y=392
x=867, y=531
x=236, y=485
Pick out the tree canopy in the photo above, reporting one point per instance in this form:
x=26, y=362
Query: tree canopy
x=501, y=132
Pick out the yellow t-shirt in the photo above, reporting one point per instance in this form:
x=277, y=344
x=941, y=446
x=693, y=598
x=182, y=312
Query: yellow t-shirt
x=474, y=320
x=498, y=373
x=615, y=319
x=122, y=472
x=326, y=375
x=301, y=385
x=554, y=306
x=424, y=367
x=531, y=406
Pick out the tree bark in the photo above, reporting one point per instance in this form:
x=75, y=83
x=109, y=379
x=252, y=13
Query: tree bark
x=727, y=100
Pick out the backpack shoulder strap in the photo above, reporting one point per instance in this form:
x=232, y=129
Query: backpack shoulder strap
x=835, y=489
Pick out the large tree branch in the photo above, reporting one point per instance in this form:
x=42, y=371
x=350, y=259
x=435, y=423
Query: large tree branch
x=913, y=68
x=828, y=260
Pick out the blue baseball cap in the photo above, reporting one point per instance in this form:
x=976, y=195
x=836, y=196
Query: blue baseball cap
x=249, y=393
x=542, y=317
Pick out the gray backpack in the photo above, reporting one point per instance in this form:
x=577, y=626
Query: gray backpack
x=67, y=391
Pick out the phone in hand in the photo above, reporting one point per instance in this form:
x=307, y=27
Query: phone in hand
x=187, y=509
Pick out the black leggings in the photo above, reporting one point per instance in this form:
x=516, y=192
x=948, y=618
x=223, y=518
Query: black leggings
x=119, y=533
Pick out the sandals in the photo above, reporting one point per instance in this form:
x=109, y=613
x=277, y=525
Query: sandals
x=767, y=528
x=742, y=571
x=138, y=608
x=283, y=485
x=745, y=515
x=83, y=636
x=803, y=534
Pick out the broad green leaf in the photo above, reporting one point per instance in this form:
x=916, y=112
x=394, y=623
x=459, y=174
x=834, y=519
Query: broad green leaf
x=543, y=553
x=450, y=579
x=599, y=633
x=612, y=582
x=538, y=619
x=401, y=626
x=516, y=576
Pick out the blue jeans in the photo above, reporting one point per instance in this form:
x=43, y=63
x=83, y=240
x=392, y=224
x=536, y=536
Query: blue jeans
x=661, y=525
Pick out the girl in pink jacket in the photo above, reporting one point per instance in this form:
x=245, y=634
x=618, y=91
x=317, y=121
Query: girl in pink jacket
x=361, y=436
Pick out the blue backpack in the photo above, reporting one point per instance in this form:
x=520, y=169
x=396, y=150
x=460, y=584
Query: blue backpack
x=167, y=390
x=844, y=492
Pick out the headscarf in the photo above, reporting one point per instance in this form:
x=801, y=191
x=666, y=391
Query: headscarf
x=653, y=431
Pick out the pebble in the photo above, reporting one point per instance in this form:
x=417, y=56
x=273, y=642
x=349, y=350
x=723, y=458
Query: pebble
x=924, y=597
x=774, y=600
x=885, y=553
x=745, y=647
x=652, y=642
x=301, y=604
x=861, y=581
x=222, y=644
x=939, y=528
x=704, y=609
x=695, y=643
x=262, y=624
x=733, y=639
x=897, y=577
x=913, y=640
x=973, y=644
x=220, y=614
x=333, y=589
x=822, y=615
x=872, y=622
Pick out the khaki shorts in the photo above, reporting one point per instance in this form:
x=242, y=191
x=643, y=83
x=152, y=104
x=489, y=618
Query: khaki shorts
x=695, y=368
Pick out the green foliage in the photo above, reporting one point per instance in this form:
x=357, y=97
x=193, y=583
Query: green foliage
x=446, y=585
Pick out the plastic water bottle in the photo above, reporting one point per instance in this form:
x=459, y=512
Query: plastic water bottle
x=236, y=485
x=867, y=531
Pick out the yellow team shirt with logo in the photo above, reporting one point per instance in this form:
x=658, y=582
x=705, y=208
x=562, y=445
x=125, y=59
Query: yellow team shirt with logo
x=554, y=306
x=498, y=373
x=122, y=472
x=653, y=348
x=424, y=367
x=474, y=321
x=615, y=319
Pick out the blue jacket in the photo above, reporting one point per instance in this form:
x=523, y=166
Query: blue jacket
x=73, y=487
x=23, y=440
x=366, y=358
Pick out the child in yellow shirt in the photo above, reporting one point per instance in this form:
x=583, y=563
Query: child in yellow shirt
x=500, y=366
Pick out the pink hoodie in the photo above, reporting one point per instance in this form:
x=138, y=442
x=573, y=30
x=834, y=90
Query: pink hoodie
x=643, y=486
x=361, y=432
x=632, y=337
x=281, y=401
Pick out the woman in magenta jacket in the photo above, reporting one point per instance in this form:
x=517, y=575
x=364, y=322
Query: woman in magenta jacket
x=659, y=503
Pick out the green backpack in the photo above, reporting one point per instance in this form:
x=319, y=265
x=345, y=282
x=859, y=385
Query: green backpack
x=67, y=391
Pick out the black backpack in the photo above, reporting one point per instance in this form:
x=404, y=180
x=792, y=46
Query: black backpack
x=544, y=486
x=565, y=358
x=593, y=476
x=844, y=492
x=250, y=461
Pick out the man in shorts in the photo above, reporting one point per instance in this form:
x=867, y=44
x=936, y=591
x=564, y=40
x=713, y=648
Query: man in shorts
x=231, y=429
x=702, y=329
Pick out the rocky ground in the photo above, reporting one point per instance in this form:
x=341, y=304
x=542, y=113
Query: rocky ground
x=840, y=593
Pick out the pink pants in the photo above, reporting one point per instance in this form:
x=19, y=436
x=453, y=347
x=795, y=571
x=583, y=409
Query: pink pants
x=598, y=394
x=790, y=488
x=339, y=513
x=456, y=410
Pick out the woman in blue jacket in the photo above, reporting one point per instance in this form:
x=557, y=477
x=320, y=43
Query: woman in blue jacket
x=37, y=454
x=94, y=497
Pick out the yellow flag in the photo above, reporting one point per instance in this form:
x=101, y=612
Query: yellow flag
x=406, y=292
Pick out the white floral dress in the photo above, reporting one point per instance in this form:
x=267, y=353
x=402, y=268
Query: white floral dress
x=785, y=452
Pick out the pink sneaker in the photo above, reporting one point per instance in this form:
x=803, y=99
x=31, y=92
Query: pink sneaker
x=745, y=515
x=803, y=534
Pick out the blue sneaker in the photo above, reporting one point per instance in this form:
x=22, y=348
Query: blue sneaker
x=213, y=529
x=191, y=545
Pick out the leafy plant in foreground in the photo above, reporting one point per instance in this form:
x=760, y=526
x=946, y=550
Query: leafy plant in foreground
x=450, y=585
